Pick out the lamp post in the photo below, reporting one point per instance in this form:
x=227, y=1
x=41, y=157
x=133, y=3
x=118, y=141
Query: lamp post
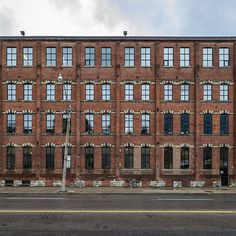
x=63, y=182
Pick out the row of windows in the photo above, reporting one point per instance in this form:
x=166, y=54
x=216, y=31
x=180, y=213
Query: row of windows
x=128, y=157
x=28, y=92
x=128, y=95
x=129, y=123
x=184, y=163
x=89, y=157
x=207, y=92
x=207, y=123
x=129, y=57
x=28, y=119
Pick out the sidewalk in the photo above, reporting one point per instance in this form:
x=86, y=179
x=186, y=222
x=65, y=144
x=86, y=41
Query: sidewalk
x=116, y=190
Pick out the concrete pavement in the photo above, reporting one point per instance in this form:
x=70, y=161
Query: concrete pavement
x=118, y=190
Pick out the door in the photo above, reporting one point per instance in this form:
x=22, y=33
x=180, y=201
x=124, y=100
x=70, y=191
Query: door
x=224, y=166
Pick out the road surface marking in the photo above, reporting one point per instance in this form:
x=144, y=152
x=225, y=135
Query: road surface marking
x=61, y=198
x=125, y=211
x=183, y=199
x=35, y=198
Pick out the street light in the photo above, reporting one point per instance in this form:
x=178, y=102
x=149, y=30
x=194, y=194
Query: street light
x=63, y=182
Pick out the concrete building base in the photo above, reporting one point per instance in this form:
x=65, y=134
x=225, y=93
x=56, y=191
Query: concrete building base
x=199, y=184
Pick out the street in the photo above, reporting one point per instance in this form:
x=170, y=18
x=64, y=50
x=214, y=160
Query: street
x=118, y=214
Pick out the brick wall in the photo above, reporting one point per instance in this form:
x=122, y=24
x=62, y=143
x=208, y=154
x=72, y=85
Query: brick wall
x=117, y=75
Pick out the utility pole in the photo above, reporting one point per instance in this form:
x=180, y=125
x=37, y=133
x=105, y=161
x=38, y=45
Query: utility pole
x=63, y=182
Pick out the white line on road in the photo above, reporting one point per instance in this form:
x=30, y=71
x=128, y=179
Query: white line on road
x=61, y=198
x=35, y=198
x=183, y=199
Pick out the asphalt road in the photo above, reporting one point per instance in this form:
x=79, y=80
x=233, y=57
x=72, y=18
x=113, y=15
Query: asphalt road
x=117, y=214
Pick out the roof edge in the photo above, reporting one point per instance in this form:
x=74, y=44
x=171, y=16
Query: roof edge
x=119, y=38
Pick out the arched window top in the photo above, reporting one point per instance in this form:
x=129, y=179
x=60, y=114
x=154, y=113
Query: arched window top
x=51, y=82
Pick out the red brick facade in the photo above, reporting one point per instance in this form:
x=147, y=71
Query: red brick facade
x=117, y=75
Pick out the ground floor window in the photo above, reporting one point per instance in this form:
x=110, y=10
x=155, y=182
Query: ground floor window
x=184, y=163
x=207, y=158
x=89, y=158
x=129, y=157
x=224, y=158
x=106, y=158
x=145, y=158
x=168, y=158
x=50, y=156
x=27, y=157
x=10, y=158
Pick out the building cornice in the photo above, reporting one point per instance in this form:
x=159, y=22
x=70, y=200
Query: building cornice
x=118, y=38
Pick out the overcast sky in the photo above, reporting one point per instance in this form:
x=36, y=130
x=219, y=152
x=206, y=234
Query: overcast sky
x=112, y=17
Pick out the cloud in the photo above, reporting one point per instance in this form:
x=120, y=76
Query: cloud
x=111, y=17
x=7, y=21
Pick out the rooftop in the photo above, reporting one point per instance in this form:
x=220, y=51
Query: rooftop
x=118, y=38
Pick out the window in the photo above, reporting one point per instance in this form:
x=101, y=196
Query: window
x=145, y=92
x=129, y=157
x=207, y=123
x=207, y=92
x=50, y=156
x=67, y=92
x=11, y=92
x=67, y=56
x=168, y=123
x=89, y=158
x=106, y=57
x=184, y=163
x=145, y=129
x=224, y=151
x=207, y=57
x=184, y=123
x=224, y=57
x=145, y=158
x=51, y=57
x=224, y=92
x=28, y=93
x=184, y=57
x=89, y=57
x=27, y=123
x=64, y=123
x=129, y=56
x=11, y=123
x=224, y=123
x=50, y=92
x=168, y=92
x=129, y=92
x=145, y=57
x=207, y=158
x=50, y=123
x=27, y=158
x=106, y=157
x=89, y=123
x=129, y=123
x=106, y=123
x=68, y=162
x=27, y=56
x=106, y=92
x=184, y=92
x=10, y=158
x=89, y=92
x=11, y=56
x=168, y=57
x=168, y=158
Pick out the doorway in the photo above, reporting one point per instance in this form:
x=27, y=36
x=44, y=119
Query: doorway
x=224, y=166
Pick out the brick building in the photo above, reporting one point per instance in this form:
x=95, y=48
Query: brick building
x=157, y=109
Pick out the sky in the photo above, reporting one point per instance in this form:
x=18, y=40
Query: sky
x=112, y=17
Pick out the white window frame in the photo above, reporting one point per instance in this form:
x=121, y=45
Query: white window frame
x=207, y=92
